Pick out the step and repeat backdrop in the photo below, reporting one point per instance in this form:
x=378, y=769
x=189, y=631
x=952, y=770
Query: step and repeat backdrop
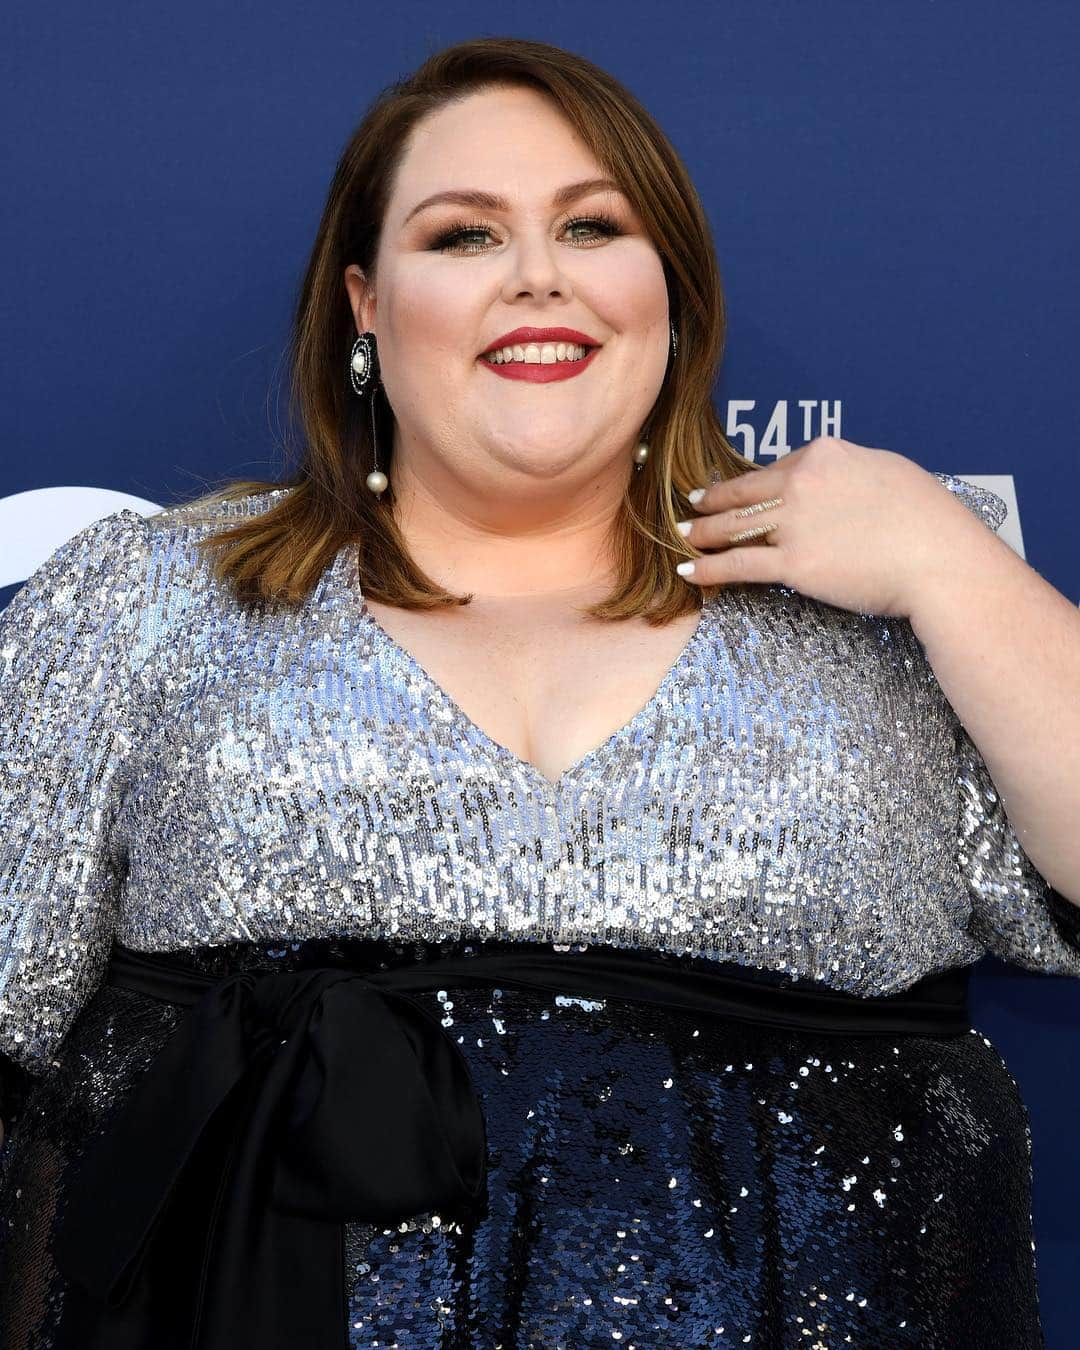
x=893, y=200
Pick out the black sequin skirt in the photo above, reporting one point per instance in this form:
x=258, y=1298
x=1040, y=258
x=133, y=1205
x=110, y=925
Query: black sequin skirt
x=654, y=1177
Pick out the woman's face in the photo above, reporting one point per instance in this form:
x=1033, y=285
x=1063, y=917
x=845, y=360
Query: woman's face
x=439, y=302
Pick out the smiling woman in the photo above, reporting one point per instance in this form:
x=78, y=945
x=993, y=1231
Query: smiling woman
x=425, y=919
x=441, y=289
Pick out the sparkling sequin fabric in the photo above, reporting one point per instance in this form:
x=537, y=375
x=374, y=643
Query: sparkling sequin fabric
x=798, y=795
x=655, y=1180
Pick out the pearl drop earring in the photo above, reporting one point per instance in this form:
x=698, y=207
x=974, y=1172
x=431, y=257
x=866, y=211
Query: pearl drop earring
x=364, y=377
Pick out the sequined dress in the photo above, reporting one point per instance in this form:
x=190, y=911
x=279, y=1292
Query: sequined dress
x=241, y=792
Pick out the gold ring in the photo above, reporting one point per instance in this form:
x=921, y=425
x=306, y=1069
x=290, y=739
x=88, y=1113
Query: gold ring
x=760, y=506
x=754, y=533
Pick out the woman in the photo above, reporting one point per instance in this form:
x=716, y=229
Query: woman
x=401, y=951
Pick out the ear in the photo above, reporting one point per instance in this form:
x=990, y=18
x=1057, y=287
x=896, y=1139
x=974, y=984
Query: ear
x=361, y=299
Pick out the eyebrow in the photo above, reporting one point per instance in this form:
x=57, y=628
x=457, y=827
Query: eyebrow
x=488, y=201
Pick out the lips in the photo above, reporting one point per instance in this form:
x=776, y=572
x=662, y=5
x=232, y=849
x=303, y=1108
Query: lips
x=519, y=337
x=536, y=372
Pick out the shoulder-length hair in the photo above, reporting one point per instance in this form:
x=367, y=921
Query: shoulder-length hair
x=278, y=554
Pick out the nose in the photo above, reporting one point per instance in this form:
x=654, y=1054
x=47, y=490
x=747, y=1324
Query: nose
x=534, y=268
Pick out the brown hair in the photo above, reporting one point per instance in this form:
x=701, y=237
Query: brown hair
x=279, y=554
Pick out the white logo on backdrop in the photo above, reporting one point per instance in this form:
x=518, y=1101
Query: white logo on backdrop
x=34, y=524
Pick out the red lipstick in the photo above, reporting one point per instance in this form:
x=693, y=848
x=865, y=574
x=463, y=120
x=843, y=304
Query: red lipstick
x=535, y=372
x=520, y=336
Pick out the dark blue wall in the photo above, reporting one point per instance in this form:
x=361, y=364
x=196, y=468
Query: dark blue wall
x=893, y=193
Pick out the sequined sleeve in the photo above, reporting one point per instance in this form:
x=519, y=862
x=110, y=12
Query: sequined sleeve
x=72, y=709
x=1015, y=914
x=980, y=501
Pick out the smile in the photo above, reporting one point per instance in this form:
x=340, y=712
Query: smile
x=541, y=363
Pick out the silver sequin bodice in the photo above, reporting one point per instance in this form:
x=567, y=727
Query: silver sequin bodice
x=798, y=794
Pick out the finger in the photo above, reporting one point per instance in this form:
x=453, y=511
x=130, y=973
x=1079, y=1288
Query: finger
x=729, y=528
x=733, y=565
x=742, y=490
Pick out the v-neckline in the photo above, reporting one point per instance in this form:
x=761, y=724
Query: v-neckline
x=474, y=731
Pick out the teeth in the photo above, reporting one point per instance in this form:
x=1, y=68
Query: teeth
x=541, y=354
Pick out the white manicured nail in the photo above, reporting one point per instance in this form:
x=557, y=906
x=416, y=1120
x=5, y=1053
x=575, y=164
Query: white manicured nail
x=685, y=569
x=694, y=497
x=684, y=526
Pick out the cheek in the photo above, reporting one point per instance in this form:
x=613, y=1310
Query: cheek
x=428, y=334
x=432, y=318
x=628, y=289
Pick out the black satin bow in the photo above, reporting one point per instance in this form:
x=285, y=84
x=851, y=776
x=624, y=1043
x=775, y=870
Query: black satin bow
x=282, y=1105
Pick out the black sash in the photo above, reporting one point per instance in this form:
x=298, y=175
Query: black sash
x=209, y=1214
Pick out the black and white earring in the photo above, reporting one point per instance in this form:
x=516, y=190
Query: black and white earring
x=641, y=454
x=364, y=377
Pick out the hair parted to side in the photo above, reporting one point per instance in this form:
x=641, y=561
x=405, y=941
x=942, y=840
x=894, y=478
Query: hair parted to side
x=277, y=556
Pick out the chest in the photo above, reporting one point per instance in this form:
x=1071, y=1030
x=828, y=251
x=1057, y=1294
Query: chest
x=544, y=681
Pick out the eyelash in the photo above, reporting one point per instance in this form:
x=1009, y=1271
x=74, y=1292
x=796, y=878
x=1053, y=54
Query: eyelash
x=607, y=226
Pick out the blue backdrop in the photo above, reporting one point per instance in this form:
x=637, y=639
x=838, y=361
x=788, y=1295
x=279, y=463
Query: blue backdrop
x=892, y=191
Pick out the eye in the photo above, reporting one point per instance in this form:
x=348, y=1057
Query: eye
x=602, y=226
